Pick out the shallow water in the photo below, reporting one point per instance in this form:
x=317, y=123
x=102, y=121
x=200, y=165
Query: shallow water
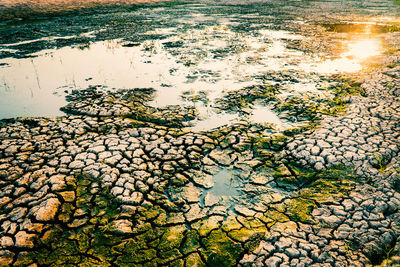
x=264, y=114
x=226, y=183
x=198, y=52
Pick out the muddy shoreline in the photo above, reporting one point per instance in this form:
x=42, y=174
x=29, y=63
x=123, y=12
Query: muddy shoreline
x=22, y=9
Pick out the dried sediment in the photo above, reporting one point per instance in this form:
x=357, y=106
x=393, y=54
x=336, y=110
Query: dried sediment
x=365, y=220
x=123, y=183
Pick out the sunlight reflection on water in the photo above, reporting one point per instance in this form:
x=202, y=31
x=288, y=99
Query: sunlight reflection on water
x=352, y=59
x=365, y=48
x=223, y=61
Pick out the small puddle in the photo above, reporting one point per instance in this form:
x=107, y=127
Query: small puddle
x=226, y=183
x=214, y=121
x=363, y=49
x=263, y=114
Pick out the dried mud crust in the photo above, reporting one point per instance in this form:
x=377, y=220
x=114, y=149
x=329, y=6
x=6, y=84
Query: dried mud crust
x=128, y=103
x=121, y=188
x=122, y=183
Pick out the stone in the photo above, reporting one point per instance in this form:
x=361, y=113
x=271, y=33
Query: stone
x=17, y=214
x=104, y=155
x=192, y=194
x=221, y=157
x=248, y=259
x=218, y=210
x=292, y=252
x=315, y=150
x=78, y=222
x=323, y=144
x=135, y=198
x=195, y=213
x=260, y=179
x=142, y=187
x=65, y=159
x=96, y=149
x=244, y=211
x=9, y=227
x=203, y=180
x=57, y=182
x=113, y=160
x=331, y=220
x=68, y=196
x=117, y=190
x=283, y=243
x=11, y=150
x=348, y=204
x=331, y=159
x=6, y=258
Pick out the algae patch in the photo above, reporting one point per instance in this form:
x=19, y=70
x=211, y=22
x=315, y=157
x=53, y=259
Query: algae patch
x=94, y=229
x=324, y=187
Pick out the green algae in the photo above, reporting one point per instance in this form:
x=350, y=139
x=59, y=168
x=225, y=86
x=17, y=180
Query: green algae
x=241, y=99
x=335, y=173
x=97, y=240
x=290, y=132
x=301, y=108
x=273, y=143
x=178, y=181
x=343, y=89
x=191, y=242
x=221, y=250
x=310, y=108
x=299, y=209
x=82, y=243
x=325, y=187
x=267, y=148
x=273, y=216
x=195, y=260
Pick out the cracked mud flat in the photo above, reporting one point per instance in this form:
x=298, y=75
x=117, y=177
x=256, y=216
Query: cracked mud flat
x=302, y=168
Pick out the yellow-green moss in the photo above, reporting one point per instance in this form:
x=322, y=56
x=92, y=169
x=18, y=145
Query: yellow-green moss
x=221, y=250
x=300, y=209
x=327, y=186
x=194, y=260
x=151, y=242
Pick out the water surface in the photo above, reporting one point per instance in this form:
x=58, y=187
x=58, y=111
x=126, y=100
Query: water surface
x=193, y=48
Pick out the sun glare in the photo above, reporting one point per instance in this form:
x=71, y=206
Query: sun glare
x=363, y=49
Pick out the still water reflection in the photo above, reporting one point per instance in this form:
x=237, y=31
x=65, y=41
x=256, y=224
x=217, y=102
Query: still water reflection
x=211, y=59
